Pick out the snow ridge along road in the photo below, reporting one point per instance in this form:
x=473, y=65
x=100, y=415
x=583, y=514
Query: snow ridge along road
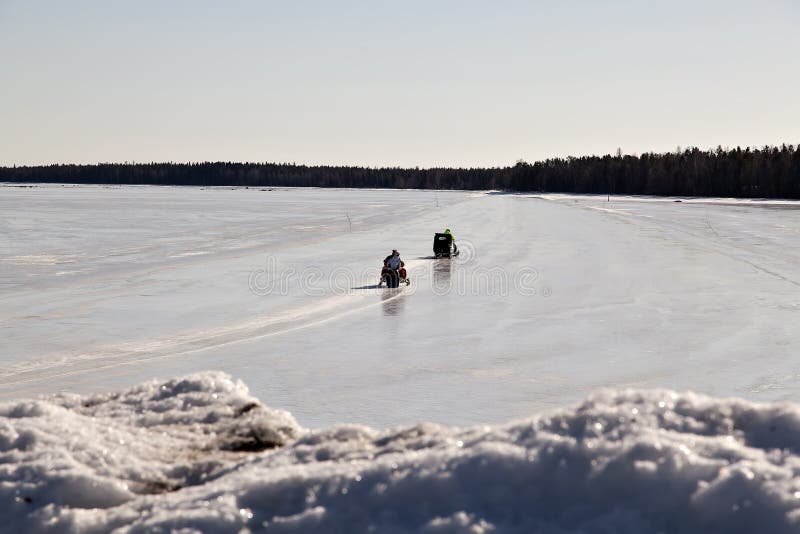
x=200, y=453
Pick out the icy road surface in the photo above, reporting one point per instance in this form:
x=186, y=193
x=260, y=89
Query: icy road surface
x=553, y=297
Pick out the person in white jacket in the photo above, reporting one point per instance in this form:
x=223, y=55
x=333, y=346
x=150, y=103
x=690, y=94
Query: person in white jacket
x=393, y=261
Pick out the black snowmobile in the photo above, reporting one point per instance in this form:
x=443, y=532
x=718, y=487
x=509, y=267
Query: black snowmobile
x=444, y=247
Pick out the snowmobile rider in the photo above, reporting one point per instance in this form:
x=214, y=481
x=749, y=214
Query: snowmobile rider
x=452, y=239
x=393, y=261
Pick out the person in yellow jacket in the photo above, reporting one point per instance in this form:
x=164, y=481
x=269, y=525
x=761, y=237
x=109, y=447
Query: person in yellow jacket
x=452, y=239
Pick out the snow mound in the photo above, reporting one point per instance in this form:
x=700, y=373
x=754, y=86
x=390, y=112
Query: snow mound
x=98, y=452
x=200, y=454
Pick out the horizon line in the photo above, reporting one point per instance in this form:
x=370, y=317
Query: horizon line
x=619, y=153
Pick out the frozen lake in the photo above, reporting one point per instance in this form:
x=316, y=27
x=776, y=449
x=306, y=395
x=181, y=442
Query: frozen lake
x=555, y=296
x=552, y=298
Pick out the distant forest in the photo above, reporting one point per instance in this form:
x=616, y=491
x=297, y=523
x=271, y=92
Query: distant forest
x=768, y=172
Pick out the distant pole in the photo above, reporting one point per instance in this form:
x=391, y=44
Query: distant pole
x=610, y=179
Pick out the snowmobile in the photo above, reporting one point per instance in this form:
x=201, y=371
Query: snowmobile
x=394, y=277
x=443, y=246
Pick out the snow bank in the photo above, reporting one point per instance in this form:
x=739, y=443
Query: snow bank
x=199, y=453
x=65, y=454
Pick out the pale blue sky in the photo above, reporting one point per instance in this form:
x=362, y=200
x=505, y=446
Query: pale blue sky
x=391, y=83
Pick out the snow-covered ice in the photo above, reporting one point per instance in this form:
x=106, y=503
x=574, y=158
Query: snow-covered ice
x=553, y=298
x=200, y=453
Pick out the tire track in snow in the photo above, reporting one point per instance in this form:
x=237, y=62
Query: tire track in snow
x=700, y=241
x=171, y=348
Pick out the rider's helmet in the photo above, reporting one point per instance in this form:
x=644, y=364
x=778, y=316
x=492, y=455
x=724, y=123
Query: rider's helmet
x=447, y=231
x=394, y=252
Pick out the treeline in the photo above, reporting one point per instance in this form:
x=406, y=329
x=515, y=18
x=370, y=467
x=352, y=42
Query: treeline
x=768, y=172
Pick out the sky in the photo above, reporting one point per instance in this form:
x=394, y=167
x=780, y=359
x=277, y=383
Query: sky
x=379, y=83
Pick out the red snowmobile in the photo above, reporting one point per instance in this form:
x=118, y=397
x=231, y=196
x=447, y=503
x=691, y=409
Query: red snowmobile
x=394, y=277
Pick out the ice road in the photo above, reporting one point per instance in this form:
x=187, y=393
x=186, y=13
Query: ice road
x=553, y=297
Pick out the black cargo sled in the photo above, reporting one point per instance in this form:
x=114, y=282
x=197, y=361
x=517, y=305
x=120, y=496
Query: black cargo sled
x=443, y=246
